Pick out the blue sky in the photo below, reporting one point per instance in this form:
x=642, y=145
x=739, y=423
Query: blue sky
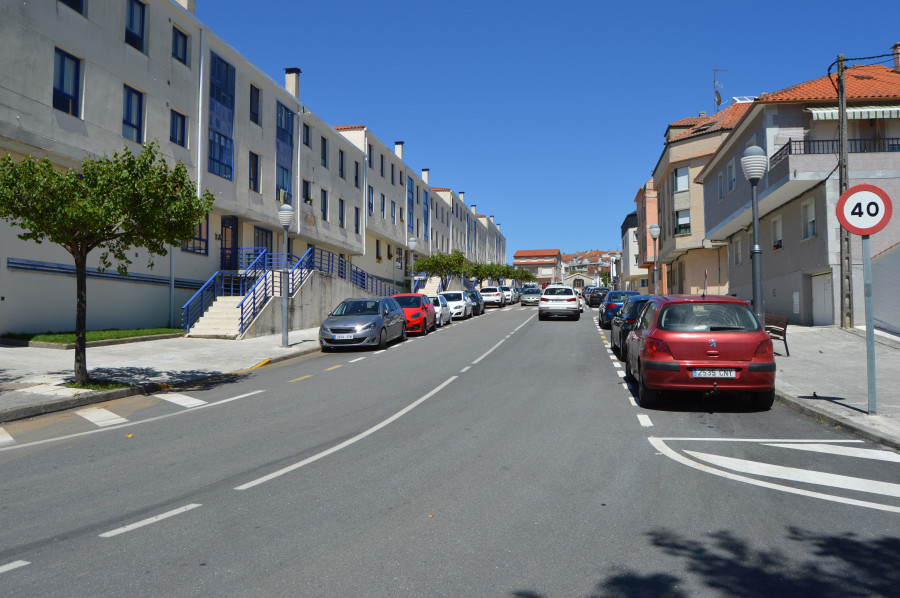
x=549, y=115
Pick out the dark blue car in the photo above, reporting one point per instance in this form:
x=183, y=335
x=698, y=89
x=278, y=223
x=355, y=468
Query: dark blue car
x=611, y=304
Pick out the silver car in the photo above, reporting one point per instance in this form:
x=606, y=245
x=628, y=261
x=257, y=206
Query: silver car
x=358, y=322
x=460, y=305
x=531, y=296
x=442, y=313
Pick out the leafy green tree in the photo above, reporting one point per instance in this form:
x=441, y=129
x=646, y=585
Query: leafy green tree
x=443, y=265
x=114, y=204
x=478, y=272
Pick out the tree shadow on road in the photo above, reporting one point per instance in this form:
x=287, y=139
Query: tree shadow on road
x=135, y=376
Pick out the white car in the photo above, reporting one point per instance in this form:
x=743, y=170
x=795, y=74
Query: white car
x=461, y=307
x=559, y=301
x=442, y=313
x=493, y=296
x=508, y=294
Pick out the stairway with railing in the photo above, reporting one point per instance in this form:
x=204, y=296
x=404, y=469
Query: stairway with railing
x=260, y=278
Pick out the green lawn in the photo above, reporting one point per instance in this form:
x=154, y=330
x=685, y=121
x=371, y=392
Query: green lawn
x=65, y=338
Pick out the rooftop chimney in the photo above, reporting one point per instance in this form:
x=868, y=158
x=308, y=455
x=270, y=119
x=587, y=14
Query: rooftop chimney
x=398, y=149
x=473, y=209
x=292, y=81
x=896, y=50
x=425, y=172
x=188, y=5
x=462, y=196
x=492, y=218
x=702, y=113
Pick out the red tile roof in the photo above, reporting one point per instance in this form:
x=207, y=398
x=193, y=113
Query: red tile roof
x=688, y=122
x=536, y=253
x=440, y=188
x=862, y=82
x=723, y=120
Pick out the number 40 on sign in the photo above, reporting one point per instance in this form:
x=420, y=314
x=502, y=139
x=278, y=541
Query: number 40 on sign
x=864, y=209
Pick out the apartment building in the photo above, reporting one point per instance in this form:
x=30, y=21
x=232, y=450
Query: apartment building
x=647, y=252
x=545, y=264
x=633, y=274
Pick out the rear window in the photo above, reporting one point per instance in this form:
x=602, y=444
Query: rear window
x=617, y=296
x=453, y=296
x=707, y=317
x=489, y=290
x=558, y=291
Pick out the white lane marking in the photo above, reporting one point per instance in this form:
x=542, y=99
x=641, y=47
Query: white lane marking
x=661, y=446
x=101, y=417
x=150, y=520
x=350, y=441
x=523, y=323
x=632, y=401
x=134, y=423
x=621, y=373
x=357, y=359
x=465, y=369
x=5, y=438
x=489, y=351
x=180, y=399
x=645, y=420
x=845, y=451
x=377, y=352
x=13, y=565
x=763, y=440
x=617, y=364
x=800, y=475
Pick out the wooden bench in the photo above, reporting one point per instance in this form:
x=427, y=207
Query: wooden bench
x=776, y=326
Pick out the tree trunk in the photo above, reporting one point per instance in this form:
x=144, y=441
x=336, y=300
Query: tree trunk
x=81, y=373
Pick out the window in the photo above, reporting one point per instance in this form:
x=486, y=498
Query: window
x=284, y=126
x=736, y=251
x=378, y=250
x=356, y=175
x=680, y=179
x=177, y=128
x=682, y=222
x=133, y=115
x=307, y=191
x=262, y=237
x=732, y=180
x=324, y=152
x=721, y=186
x=283, y=183
x=220, y=157
x=134, y=24
x=371, y=157
x=371, y=200
x=382, y=165
x=393, y=211
x=324, y=196
x=254, y=172
x=356, y=222
x=76, y=5
x=341, y=222
x=66, y=77
x=777, y=241
x=382, y=205
x=808, y=214
x=254, y=105
x=221, y=81
x=306, y=140
x=392, y=174
x=179, y=45
x=200, y=241
x=341, y=171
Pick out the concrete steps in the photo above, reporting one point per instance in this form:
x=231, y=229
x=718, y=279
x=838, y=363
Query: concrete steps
x=219, y=321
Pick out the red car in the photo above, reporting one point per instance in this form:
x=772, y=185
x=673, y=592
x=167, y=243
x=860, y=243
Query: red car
x=712, y=343
x=419, y=312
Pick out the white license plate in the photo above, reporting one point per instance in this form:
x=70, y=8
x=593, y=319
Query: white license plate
x=343, y=337
x=715, y=374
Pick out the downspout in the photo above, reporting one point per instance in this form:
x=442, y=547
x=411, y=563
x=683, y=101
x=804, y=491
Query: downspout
x=365, y=191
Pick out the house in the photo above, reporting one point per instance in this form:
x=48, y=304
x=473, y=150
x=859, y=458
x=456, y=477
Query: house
x=799, y=234
x=647, y=251
x=545, y=264
x=633, y=274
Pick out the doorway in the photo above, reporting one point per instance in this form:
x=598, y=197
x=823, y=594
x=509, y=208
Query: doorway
x=822, y=300
x=229, y=252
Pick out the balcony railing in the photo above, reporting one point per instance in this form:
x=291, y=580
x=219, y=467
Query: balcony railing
x=832, y=146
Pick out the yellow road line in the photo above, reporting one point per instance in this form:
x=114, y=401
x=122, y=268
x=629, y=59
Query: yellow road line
x=334, y=367
x=301, y=378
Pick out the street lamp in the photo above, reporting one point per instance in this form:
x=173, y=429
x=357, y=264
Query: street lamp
x=754, y=164
x=412, y=243
x=654, y=234
x=285, y=216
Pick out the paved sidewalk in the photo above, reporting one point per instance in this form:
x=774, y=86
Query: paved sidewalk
x=825, y=375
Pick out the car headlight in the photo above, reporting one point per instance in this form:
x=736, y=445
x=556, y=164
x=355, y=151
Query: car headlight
x=368, y=326
x=418, y=314
x=324, y=329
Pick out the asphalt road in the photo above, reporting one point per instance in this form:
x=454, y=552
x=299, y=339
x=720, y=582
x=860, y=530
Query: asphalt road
x=501, y=456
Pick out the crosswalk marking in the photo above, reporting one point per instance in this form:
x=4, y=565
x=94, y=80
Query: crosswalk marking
x=5, y=438
x=846, y=451
x=180, y=399
x=101, y=417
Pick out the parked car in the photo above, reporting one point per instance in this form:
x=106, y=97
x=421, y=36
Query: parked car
x=559, y=301
x=531, y=296
x=420, y=316
x=706, y=343
x=442, y=313
x=623, y=322
x=369, y=321
x=508, y=294
x=493, y=296
x=460, y=304
x=595, y=296
x=611, y=304
x=477, y=302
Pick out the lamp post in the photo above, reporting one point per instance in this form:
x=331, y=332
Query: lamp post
x=754, y=164
x=412, y=243
x=654, y=234
x=285, y=216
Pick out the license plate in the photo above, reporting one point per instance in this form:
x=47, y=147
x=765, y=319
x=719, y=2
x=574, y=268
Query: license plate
x=343, y=337
x=715, y=374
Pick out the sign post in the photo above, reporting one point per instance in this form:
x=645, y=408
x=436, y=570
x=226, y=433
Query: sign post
x=864, y=210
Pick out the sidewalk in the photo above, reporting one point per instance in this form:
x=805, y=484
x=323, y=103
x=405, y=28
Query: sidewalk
x=825, y=375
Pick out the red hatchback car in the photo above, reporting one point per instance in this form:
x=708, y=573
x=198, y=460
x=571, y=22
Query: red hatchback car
x=712, y=343
x=419, y=312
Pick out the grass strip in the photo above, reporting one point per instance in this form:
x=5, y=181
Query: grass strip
x=65, y=338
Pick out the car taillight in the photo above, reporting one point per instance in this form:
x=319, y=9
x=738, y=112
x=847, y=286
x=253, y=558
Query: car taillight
x=611, y=306
x=655, y=346
x=765, y=348
x=631, y=321
x=572, y=299
x=544, y=299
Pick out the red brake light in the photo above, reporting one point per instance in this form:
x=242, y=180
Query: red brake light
x=611, y=306
x=572, y=299
x=655, y=346
x=765, y=348
x=629, y=321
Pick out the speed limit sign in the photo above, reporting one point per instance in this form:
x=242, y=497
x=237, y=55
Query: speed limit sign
x=864, y=209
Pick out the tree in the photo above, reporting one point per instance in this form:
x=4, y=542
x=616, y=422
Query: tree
x=114, y=204
x=443, y=265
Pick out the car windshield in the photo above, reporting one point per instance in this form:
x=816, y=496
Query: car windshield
x=453, y=296
x=559, y=291
x=707, y=317
x=531, y=292
x=356, y=308
x=435, y=301
x=618, y=296
x=409, y=301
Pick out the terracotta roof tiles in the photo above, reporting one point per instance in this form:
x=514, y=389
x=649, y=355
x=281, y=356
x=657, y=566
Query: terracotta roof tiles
x=723, y=120
x=863, y=82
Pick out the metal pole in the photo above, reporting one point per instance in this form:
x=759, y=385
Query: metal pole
x=284, y=291
x=870, y=322
x=756, y=254
x=655, y=268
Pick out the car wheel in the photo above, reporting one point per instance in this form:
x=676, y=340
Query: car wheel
x=629, y=375
x=647, y=397
x=425, y=328
x=577, y=315
x=403, y=335
x=763, y=400
x=540, y=316
x=382, y=339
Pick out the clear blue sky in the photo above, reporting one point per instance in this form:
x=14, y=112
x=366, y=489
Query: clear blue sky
x=549, y=115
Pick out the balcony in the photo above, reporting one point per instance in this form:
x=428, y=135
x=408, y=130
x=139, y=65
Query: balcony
x=832, y=146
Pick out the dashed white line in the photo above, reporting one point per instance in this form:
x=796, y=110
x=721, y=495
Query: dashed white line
x=645, y=420
x=101, y=417
x=148, y=521
x=620, y=373
x=180, y=399
x=357, y=359
x=488, y=352
x=617, y=364
x=13, y=565
x=465, y=369
x=632, y=401
x=5, y=438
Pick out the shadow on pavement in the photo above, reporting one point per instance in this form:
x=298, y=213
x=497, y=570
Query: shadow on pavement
x=834, y=400
x=138, y=376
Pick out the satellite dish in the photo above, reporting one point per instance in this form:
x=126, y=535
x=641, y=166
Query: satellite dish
x=718, y=98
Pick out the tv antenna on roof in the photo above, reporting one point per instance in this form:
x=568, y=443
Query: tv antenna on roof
x=716, y=86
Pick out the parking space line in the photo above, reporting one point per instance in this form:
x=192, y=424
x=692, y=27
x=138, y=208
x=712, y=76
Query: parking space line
x=13, y=565
x=139, y=524
x=632, y=401
x=101, y=417
x=645, y=420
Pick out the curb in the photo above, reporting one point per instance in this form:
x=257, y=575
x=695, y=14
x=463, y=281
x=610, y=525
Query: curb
x=113, y=341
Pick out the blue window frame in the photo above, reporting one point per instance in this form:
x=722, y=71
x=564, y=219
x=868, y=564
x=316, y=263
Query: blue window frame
x=285, y=125
x=254, y=105
x=425, y=215
x=66, y=76
x=134, y=24
x=410, y=205
x=221, y=151
x=283, y=183
x=221, y=81
x=324, y=196
x=179, y=45
x=382, y=205
x=76, y=5
x=341, y=213
x=177, y=126
x=221, y=118
x=200, y=241
x=371, y=201
x=262, y=237
x=254, y=172
x=133, y=115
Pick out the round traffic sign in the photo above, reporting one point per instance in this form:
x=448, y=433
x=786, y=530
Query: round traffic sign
x=864, y=209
